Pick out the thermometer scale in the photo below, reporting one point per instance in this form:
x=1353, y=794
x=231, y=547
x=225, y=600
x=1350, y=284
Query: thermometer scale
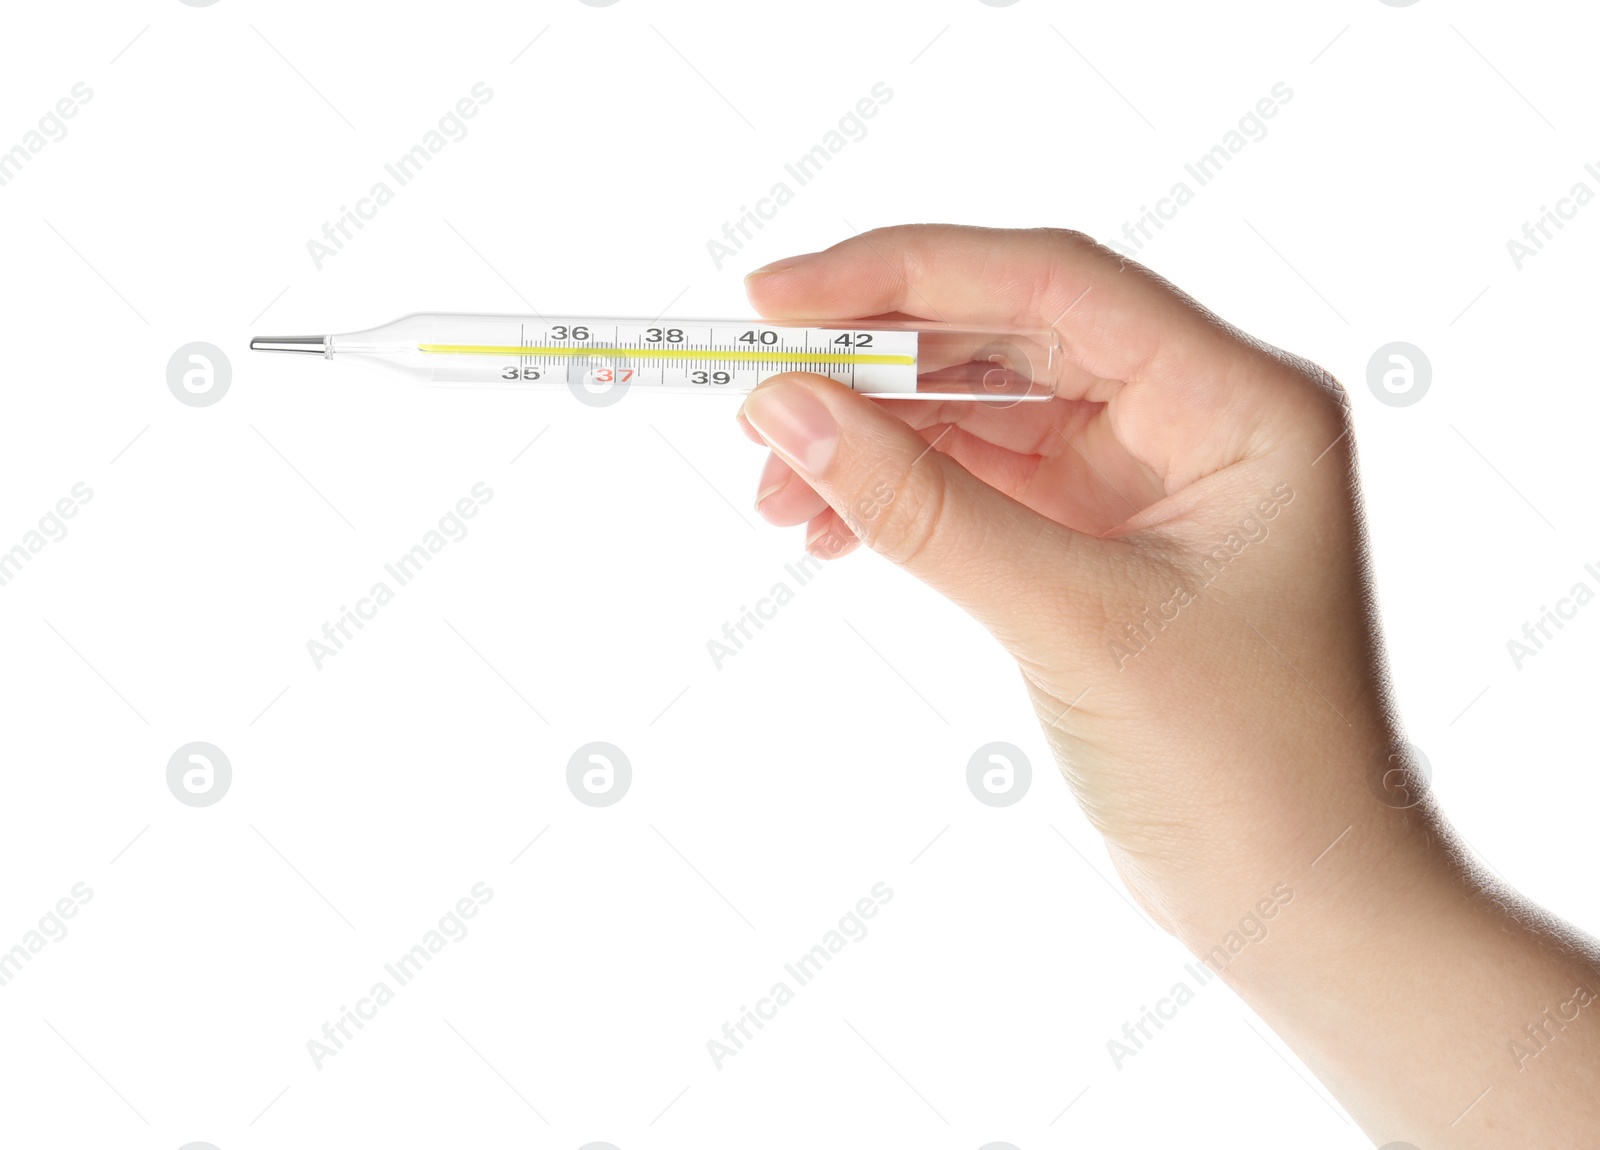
x=888, y=359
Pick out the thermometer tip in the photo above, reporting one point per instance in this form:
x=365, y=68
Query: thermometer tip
x=315, y=344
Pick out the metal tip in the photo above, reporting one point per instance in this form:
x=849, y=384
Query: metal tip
x=314, y=344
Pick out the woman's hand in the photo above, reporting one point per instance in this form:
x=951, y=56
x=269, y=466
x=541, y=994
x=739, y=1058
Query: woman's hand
x=1173, y=551
x=1169, y=549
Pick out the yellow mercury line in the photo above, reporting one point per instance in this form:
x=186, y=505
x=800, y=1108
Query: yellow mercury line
x=773, y=355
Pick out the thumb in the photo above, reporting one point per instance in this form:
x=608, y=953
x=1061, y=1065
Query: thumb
x=1018, y=573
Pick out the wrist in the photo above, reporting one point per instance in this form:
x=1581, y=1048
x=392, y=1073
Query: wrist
x=1315, y=867
x=1362, y=877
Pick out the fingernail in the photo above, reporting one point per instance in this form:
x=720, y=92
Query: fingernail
x=795, y=423
x=775, y=476
x=782, y=265
x=745, y=429
x=829, y=543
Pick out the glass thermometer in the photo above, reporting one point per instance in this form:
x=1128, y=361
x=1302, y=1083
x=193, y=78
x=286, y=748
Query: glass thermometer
x=890, y=359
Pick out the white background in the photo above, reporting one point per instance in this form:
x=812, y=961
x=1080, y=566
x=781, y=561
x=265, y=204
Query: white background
x=769, y=795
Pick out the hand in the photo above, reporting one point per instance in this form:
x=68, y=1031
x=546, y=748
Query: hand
x=1173, y=551
x=1062, y=525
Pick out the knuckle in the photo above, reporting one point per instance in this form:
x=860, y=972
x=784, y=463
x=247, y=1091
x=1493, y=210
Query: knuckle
x=1317, y=406
x=1072, y=255
x=1069, y=238
x=1323, y=383
x=1328, y=400
x=1316, y=381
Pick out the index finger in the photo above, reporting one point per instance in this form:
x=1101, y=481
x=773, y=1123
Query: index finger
x=1117, y=319
x=1186, y=392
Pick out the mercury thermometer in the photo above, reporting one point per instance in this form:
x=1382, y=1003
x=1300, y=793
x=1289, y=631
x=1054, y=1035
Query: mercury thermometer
x=604, y=357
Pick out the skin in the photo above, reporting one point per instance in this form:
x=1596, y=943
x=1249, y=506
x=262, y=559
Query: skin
x=1240, y=738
